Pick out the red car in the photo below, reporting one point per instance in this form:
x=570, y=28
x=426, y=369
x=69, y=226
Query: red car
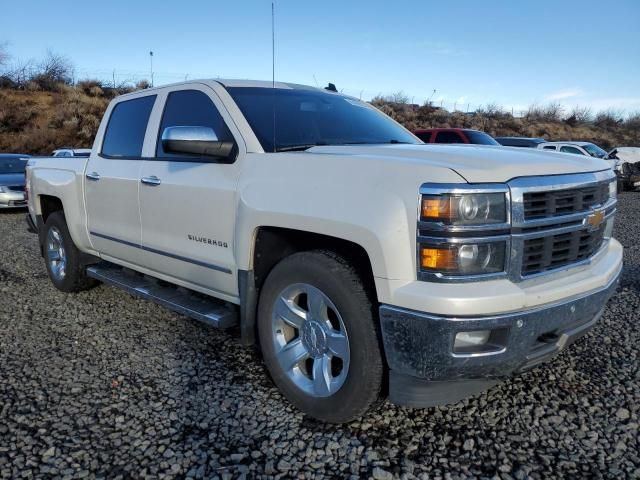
x=454, y=135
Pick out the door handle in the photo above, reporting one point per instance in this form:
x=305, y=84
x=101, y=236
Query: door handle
x=152, y=180
x=93, y=176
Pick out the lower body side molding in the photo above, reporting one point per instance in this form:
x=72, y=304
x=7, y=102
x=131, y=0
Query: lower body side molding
x=200, y=307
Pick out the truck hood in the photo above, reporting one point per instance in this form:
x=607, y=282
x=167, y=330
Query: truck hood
x=475, y=163
x=10, y=179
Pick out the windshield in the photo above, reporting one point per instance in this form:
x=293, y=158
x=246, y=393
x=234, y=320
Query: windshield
x=480, y=138
x=305, y=118
x=594, y=150
x=12, y=165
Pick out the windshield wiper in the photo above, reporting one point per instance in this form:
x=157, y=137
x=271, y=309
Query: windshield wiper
x=298, y=148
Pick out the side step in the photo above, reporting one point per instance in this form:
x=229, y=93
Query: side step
x=206, y=309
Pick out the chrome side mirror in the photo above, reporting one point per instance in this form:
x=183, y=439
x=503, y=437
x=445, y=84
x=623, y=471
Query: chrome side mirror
x=199, y=141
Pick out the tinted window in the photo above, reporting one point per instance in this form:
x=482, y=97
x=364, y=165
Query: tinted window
x=480, y=138
x=519, y=142
x=12, y=165
x=594, y=150
x=550, y=147
x=424, y=136
x=448, y=137
x=307, y=117
x=191, y=108
x=571, y=150
x=127, y=125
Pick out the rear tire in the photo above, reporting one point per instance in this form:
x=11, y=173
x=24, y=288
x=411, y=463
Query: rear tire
x=62, y=257
x=319, y=336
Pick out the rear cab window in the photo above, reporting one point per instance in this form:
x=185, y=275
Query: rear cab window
x=574, y=150
x=124, y=136
x=480, y=138
x=448, y=137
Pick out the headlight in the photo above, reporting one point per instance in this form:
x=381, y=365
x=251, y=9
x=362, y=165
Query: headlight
x=463, y=258
x=613, y=189
x=463, y=231
x=465, y=209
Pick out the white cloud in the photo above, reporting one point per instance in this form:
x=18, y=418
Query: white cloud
x=564, y=94
x=627, y=104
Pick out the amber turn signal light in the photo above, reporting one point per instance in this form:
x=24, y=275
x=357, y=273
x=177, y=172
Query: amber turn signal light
x=436, y=258
x=436, y=208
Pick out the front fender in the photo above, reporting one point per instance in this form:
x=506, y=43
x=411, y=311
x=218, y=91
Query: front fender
x=373, y=204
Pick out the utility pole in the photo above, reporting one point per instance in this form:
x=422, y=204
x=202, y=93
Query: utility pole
x=114, y=78
x=151, y=61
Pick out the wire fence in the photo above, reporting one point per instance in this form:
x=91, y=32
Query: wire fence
x=118, y=78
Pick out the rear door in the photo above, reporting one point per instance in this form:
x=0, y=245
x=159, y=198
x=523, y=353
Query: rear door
x=112, y=179
x=188, y=203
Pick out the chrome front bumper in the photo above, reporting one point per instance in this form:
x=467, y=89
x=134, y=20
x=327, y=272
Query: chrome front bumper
x=425, y=370
x=12, y=199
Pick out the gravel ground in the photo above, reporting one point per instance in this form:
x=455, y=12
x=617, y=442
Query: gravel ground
x=100, y=384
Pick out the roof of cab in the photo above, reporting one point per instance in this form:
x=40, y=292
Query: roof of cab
x=231, y=83
x=568, y=142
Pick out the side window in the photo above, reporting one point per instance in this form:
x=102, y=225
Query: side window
x=550, y=147
x=191, y=108
x=566, y=149
x=424, y=136
x=126, y=128
x=448, y=137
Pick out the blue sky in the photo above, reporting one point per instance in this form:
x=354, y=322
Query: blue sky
x=512, y=53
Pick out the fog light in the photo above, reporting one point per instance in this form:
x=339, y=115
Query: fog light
x=465, y=340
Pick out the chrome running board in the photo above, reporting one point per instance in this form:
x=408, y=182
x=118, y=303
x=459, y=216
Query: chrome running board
x=200, y=307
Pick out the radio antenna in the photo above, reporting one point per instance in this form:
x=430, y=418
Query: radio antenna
x=273, y=69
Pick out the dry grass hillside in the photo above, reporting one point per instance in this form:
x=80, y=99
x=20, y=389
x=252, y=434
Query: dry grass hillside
x=37, y=118
x=608, y=129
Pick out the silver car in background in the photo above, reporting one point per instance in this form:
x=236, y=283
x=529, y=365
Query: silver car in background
x=12, y=180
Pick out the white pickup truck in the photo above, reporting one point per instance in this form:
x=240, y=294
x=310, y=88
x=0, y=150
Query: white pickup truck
x=363, y=263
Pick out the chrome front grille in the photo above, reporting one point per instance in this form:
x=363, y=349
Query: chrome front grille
x=553, y=221
x=562, y=202
x=556, y=251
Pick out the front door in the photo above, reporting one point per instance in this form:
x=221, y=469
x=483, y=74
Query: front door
x=112, y=182
x=188, y=203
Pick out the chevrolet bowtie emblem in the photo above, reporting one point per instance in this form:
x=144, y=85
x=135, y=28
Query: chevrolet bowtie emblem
x=595, y=220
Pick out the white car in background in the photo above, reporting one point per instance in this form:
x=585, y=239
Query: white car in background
x=580, y=148
x=628, y=159
x=71, y=152
x=626, y=154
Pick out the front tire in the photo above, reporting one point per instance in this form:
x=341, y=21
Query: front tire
x=319, y=336
x=62, y=257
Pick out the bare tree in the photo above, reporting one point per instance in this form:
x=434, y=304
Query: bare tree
x=54, y=70
x=581, y=114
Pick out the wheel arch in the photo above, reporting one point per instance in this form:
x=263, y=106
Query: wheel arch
x=272, y=244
